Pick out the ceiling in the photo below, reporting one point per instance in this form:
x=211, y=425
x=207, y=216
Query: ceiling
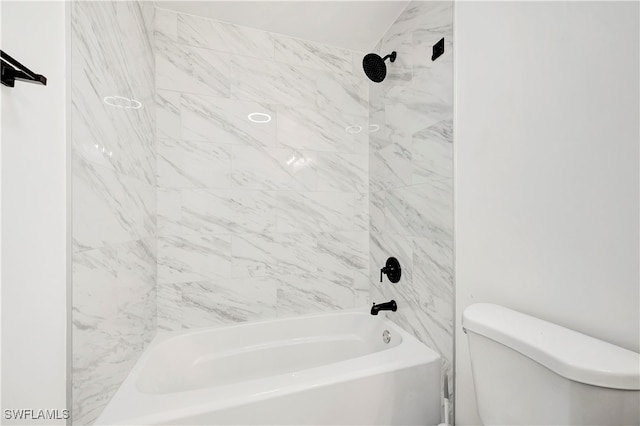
x=355, y=25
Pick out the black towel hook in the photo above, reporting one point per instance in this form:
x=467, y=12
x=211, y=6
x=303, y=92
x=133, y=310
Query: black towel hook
x=12, y=70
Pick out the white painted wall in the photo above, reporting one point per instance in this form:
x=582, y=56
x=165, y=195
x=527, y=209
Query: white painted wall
x=34, y=259
x=546, y=156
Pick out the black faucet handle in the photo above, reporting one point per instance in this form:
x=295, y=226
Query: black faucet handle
x=392, y=269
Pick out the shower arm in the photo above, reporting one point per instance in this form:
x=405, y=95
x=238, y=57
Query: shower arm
x=391, y=56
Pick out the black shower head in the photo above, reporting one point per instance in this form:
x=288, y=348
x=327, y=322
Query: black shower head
x=374, y=66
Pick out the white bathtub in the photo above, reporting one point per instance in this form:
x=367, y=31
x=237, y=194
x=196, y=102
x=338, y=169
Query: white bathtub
x=321, y=369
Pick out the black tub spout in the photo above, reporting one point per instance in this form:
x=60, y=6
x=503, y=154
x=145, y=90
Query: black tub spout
x=388, y=306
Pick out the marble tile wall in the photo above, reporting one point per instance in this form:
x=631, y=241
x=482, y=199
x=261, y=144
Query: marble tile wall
x=411, y=175
x=257, y=220
x=113, y=195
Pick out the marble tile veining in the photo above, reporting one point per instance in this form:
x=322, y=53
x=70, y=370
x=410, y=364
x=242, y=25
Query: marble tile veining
x=300, y=295
x=310, y=54
x=321, y=211
x=409, y=109
x=114, y=312
x=225, y=37
x=113, y=318
x=206, y=303
x=221, y=120
x=167, y=114
x=123, y=207
x=421, y=210
x=274, y=168
x=342, y=172
x=361, y=218
x=186, y=164
x=191, y=69
x=340, y=252
x=254, y=255
x=411, y=176
x=322, y=130
x=169, y=306
x=169, y=207
x=343, y=94
x=166, y=25
x=432, y=152
x=189, y=258
x=296, y=253
x=392, y=166
x=227, y=211
x=265, y=81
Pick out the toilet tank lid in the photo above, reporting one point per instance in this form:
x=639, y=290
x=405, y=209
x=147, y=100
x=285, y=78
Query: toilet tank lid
x=571, y=354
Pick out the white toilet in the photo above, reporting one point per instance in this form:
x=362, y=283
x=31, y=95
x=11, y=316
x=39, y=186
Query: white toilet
x=527, y=371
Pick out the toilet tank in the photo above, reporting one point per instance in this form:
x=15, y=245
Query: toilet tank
x=527, y=371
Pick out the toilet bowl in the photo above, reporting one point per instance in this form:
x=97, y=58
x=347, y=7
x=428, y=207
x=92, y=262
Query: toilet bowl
x=528, y=371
